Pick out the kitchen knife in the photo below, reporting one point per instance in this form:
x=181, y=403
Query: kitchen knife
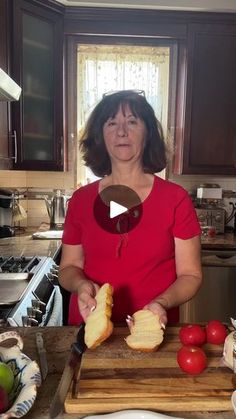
x=42, y=355
x=70, y=371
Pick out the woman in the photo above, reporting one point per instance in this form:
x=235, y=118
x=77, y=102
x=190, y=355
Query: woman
x=158, y=265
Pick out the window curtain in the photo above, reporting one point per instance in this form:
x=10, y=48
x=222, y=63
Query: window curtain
x=104, y=68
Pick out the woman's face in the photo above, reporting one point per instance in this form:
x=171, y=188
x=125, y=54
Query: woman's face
x=124, y=136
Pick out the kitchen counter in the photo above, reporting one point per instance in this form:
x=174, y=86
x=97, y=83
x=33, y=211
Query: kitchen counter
x=57, y=341
x=225, y=241
x=23, y=244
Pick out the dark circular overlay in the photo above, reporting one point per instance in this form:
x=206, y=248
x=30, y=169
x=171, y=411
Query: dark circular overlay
x=122, y=223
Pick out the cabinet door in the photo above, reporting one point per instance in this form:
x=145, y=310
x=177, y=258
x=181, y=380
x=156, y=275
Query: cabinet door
x=37, y=66
x=5, y=156
x=207, y=142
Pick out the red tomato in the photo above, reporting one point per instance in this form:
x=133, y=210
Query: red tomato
x=216, y=332
x=192, y=359
x=192, y=334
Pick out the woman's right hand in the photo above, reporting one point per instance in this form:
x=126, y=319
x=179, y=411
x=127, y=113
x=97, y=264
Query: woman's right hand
x=157, y=308
x=86, y=297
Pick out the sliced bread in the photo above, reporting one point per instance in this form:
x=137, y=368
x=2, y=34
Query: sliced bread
x=98, y=326
x=146, y=332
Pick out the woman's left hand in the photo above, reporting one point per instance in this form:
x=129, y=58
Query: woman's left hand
x=157, y=308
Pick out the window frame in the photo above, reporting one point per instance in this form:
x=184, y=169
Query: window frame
x=71, y=83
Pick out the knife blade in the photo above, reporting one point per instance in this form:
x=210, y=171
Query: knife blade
x=42, y=355
x=70, y=371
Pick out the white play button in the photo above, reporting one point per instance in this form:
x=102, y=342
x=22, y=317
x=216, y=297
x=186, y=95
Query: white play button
x=116, y=209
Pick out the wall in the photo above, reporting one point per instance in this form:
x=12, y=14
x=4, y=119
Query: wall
x=31, y=179
x=193, y=181
x=42, y=181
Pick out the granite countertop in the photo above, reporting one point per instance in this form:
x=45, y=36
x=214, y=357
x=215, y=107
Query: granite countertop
x=225, y=241
x=24, y=244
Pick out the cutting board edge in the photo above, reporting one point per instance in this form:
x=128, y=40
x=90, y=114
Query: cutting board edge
x=162, y=404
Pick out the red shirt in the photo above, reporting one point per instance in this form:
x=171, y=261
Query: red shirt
x=145, y=265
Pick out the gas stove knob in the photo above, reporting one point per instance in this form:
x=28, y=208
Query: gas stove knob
x=55, y=268
x=54, y=271
x=39, y=305
x=53, y=278
x=51, y=275
x=218, y=217
x=29, y=321
x=34, y=313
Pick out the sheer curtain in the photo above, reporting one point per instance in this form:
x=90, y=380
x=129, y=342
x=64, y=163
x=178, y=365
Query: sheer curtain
x=102, y=68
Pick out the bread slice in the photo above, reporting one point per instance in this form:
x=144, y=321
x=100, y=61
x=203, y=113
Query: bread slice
x=146, y=332
x=98, y=326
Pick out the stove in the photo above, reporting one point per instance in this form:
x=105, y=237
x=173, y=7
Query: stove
x=28, y=291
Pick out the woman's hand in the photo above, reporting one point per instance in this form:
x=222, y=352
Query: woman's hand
x=86, y=297
x=157, y=308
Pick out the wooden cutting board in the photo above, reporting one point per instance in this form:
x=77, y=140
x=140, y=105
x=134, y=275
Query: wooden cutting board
x=113, y=377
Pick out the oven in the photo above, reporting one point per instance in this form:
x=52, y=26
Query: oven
x=29, y=292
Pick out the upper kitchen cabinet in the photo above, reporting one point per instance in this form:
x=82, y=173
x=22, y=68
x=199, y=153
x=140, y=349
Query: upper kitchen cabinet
x=37, y=66
x=206, y=102
x=5, y=155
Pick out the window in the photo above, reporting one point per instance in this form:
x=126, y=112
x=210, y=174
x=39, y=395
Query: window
x=102, y=68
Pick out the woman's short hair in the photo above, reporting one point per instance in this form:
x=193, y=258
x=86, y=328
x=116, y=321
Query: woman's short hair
x=92, y=143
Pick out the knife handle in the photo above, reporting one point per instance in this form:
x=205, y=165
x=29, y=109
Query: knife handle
x=79, y=346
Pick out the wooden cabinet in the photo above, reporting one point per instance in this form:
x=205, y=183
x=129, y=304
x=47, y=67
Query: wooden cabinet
x=206, y=102
x=37, y=66
x=5, y=152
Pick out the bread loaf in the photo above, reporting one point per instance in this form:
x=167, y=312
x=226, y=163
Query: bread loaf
x=146, y=332
x=98, y=326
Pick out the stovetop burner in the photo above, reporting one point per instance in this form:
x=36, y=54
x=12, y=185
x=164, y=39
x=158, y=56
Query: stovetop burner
x=18, y=264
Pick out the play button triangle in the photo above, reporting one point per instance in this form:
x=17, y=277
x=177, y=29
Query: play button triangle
x=116, y=209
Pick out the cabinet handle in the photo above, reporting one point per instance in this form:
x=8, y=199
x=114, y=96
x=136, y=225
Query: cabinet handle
x=62, y=151
x=14, y=136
